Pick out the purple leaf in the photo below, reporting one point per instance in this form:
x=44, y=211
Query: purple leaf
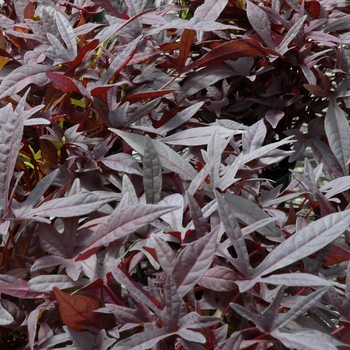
x=175, y=217
x=169, y=158
x=143, y=110
x=152, y=173
x=175, y=308
x=339, y=185
x=235, y=235
x=260, y=22
x=197, y=136
x=307, y=339
x=143, y=340
x=265, y=320
x=81, y=340
x=11, y=131
x=52, y=241
x=219, y=278
x=233, y=343
x=35, y=196
x=119, y=62
x=60, y=53
x=194, y=24
x=340, y=303
x=186, y=344
x=122, y=162
x=67, y=84
x=165, y=255
x=5, y=317
x=322, y=151
x=130, y=318
x=198, y=220
x=305, y=242
x=73, y=269
x=274, y=116
x=210, y=10
x=254, y=138
x=300, y=308
x=194, y=321
x=180, y=118
x=199, y=180
x=338, y=131
x=18, y=288
x=197, y=81
x=249, y=213
x=230, y=174
x=294, y=279
x=336, y=24
x=269, y=319
x=193, y=262
x=75, y=205
x=46, y=283
x=214, y=148
x=232, y=49
x=108, y=6
x=265, y=150
x=23, y=76
x=117, y=117
x=130, y=286
x=135, y=7
x=122, y=223
x=56, y=243
x=300, y=144
x=282, y=48
x=191, y=335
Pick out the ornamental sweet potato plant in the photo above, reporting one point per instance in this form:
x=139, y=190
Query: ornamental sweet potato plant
x=135, y=207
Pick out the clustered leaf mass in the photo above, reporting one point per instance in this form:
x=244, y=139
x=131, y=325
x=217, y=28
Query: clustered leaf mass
x=136, y=206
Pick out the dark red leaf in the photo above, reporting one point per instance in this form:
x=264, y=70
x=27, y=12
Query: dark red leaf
x=141, y=96
x=185, y=47
x=64, y=83
x=230, y=51
x=76, y=311
x=83, y=52
x=337, y=255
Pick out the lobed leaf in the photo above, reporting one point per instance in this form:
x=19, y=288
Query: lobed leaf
x=175, y=308
x=193, y=262
x=169, y=158
x=233, y=231
x=249, y=213
x=305, y=242
x=119, y=62
x=307, y=339
x=23, y=76
x=60, y=53
x=165, y=255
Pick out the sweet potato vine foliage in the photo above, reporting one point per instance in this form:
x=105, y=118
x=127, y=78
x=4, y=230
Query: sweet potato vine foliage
x=134, y=208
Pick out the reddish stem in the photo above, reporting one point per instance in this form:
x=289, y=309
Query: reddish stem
x=228, y=307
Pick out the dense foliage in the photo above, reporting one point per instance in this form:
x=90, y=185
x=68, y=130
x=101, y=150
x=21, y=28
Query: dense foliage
x=135, y=212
